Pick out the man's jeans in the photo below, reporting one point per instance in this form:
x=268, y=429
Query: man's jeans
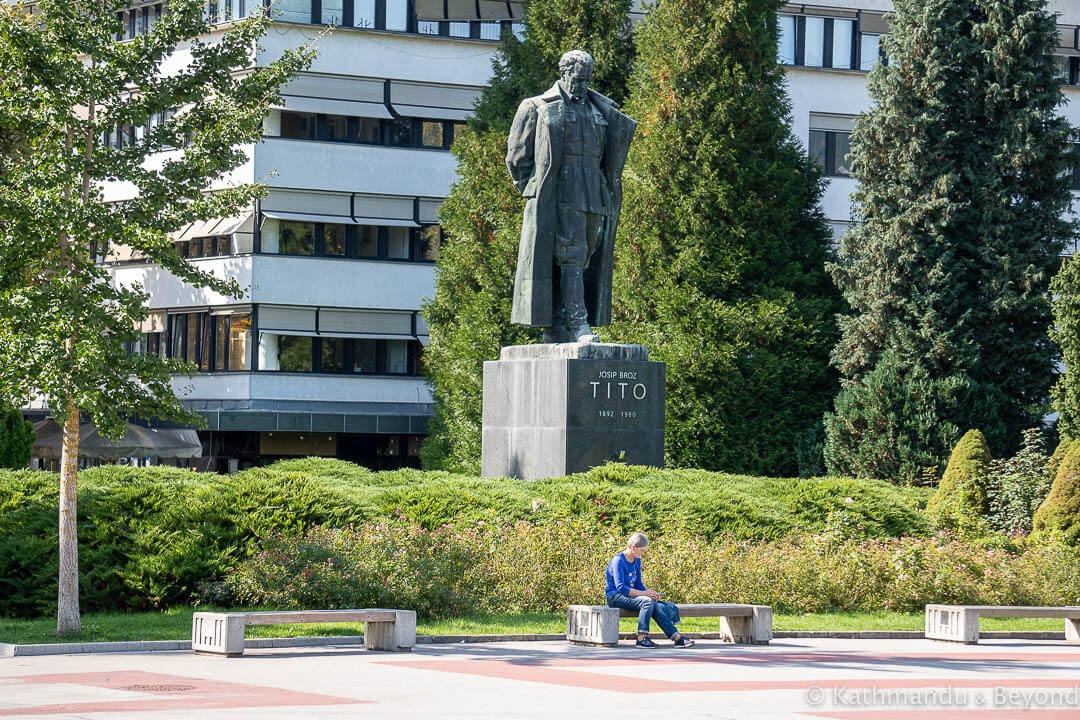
x=665, y=614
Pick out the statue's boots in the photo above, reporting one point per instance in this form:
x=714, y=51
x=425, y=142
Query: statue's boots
x=575, y=316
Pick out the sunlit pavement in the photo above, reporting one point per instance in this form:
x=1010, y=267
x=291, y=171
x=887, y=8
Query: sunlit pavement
x=812, y=678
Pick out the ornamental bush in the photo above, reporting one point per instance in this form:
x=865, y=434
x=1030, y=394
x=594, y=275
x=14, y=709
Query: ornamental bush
x=1017, y=485
x=529, y=567
x=1059, y=514
x=961, y=500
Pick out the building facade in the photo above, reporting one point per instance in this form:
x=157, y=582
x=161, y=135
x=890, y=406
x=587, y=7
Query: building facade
x=323, y=354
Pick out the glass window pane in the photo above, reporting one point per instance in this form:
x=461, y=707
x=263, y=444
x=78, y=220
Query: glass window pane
x=814, y=54
x=367, y=130
x=785, y=42
x=297, y=125
x=332, y=11
x=431, y=133
x=843, y=148
x=332, y=354
x=426, y=27
x=364, y=13
x=367, y=241
x=397, y=15
x=297, y=238
x=868, y=51
x=297, y=11
x=294, y=353
x=401, y=132
x=398, y=246
x=221, y=340
x=191, y=347
x=818, y=145
x=430, y=239
x=397, y=357
x=335, y=127
x=364, y=354
x=459, y=29
x=490, y=31
x=334, y=240
x=843, y=31
x=239, y=342
x=1061, y=65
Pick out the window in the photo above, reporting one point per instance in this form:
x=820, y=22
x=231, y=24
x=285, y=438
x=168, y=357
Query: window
x=1068, y=69
x=368, y=130
x=298, y=125
x=427, y=27
x=295, y=353
x=397, y=15
x=815, y=41
x=332, y=12
x=367, y=241
x=364, y=13
x=332, y=240
x=490, y=31
x=201, y=247
x=430, y=241
x=296, y=238
x=831, y=148
x=189, y=338
x=1075, y=173
x=397, y=243
x=785, y=42
x=346, y=356
x=869, y=51
x=333, y=127
x=401, y=132
x=232, y=342
x=459, y=29
x=295, y=11
x=431, y=133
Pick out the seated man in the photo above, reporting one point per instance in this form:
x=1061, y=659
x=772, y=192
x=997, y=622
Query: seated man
x=625, y=589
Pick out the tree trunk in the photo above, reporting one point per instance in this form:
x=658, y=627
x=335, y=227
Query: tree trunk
x=68, y=621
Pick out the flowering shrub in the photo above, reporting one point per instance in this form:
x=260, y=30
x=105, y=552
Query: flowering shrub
x=521, y=566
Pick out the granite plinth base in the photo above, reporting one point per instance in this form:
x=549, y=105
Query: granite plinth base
x=555, y=409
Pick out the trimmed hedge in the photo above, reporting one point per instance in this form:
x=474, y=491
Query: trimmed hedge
x=961, y=498
x=149, y=536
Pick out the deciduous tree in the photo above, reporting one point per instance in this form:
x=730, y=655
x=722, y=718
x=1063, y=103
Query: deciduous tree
x=177, y=103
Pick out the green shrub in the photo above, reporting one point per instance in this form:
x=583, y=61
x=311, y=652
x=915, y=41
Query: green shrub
x=1017, y=485
x=526, y=567
x=16, y=439
x=1059, y=514
x=961, y=498
x=149, y=536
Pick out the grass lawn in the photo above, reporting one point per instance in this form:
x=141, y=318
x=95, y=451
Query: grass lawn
x=176, y=625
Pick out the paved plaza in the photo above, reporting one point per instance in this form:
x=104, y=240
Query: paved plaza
x=791, y=678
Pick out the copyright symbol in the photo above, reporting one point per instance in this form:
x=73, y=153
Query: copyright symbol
x=814, y=696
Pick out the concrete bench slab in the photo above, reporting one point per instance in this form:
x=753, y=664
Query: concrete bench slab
x=222, y=633
x=599, y=624
x=960, y=623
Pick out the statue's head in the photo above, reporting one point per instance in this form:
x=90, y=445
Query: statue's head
x=575, y=72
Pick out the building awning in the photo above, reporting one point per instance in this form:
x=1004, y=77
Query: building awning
x=333, y=107
x=430, y=100
x=339, y=219
x=491, y=10
x=216, y=226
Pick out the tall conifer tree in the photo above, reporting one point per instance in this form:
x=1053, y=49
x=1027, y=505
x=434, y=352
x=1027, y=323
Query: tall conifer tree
x=469, y=317
x=961, y=164
x=720, y=267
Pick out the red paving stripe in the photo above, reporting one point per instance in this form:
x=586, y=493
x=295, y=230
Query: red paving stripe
x=1010, y=714
x=582, y=678
x=197, y=694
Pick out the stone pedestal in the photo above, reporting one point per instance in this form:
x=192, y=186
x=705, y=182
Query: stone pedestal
x=556, y=409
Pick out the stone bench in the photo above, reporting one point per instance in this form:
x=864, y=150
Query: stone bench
x=960, y=623
x=222, y=633
x=599, y=624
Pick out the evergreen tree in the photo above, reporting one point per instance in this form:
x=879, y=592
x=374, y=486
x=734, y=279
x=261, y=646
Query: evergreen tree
x=720, y=265
x=67, y=83
x=1065, y=290
x=961, y=164
x=16, y=439
x=469, y=317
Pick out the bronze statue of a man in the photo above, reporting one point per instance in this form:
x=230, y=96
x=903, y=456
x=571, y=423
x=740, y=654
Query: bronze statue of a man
x=566, y=153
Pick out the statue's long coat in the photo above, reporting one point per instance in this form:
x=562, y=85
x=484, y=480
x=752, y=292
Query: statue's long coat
x=534, y=156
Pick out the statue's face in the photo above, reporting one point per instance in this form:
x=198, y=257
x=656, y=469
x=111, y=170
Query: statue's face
x=575, y=81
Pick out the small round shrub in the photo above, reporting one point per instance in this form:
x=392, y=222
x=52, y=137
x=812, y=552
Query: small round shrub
x=961, y=498
x=1059, y=513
